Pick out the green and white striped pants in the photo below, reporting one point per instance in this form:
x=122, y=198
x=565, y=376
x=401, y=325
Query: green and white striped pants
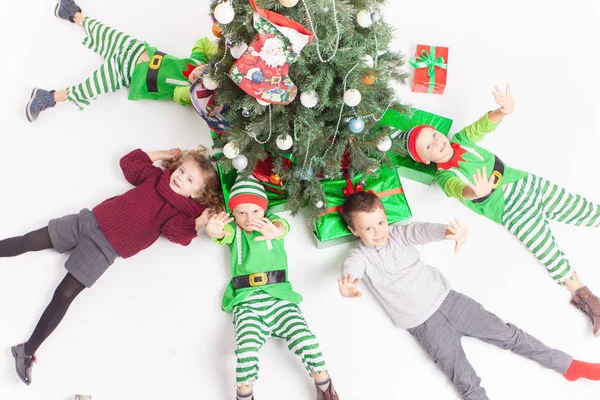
x=529, y=205
x=120, y=52
x=261, y=316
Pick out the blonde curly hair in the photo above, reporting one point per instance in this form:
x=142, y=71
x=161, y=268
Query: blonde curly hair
x=211, y=196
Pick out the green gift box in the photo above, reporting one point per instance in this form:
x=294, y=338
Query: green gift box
x=277, y=201
x=330, y=227
x=407, y=167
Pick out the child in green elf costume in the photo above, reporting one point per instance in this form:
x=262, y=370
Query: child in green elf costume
x=522, y=202
x=259, y=294
x=128, y=62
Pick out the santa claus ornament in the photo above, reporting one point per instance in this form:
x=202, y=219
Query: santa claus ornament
x=263, y=70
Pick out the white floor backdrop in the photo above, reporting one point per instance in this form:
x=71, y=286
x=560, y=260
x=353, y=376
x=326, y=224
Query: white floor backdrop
x=152, y=327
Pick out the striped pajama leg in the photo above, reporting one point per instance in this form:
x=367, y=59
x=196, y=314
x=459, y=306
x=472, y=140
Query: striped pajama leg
x=262, y=316
x=120, y=52
x=529, y=205
x=288, y=323
x=251, y=333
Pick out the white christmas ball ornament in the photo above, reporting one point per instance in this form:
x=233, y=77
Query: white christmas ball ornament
x=238, y=50
x=363, y=18
x=240, y=162
x=309, y=99
x=368, y=61
x=352, y=97
x=384, y=144
x=288, y=3
x=284, y=142
x=209, y=83
x=230, y=150
x=224, y=13
x=319, y=204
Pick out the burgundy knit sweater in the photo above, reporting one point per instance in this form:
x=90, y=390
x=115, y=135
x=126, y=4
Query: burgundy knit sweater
x=134, y=220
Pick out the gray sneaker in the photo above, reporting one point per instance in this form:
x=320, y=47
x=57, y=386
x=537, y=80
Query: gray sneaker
x=39, y=101
x=66, y=9
x=23, y=362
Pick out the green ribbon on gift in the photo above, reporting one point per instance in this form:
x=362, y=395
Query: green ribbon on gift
x=428, y=60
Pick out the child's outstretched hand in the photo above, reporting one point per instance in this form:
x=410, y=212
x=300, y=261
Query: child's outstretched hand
x=348, y=286
x=269, y=230
x=504, y=100
x=202, y=220
x=458, y=232
x=482, y=185
x=216, y=223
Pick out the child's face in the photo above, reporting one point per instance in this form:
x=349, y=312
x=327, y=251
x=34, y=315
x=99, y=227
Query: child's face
x=187, y=180
x=245, y=213
x=434, y=147
x=371, y=227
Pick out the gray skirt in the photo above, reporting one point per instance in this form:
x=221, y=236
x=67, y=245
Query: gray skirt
x=91, y=253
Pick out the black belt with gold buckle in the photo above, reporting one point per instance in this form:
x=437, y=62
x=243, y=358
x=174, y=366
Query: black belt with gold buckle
x=258, y=279
x=152, y=75
x=498, y=173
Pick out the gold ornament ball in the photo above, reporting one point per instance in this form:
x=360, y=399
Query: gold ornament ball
x=275, y=179
x=216, y=31
x=369, y=78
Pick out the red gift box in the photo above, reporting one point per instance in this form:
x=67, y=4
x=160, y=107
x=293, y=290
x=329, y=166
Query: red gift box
x=264, y=173
x=431, y=67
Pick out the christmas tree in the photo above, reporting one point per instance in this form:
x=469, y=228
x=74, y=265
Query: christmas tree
x=304, y=83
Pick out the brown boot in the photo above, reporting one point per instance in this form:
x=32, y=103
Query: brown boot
x=329, y=394
x=589, y=304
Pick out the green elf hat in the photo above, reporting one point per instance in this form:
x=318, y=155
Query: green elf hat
x=247, y=190
x=409, y=138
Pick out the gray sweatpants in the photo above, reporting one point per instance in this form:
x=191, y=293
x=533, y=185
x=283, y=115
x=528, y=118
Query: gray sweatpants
x=460, y=316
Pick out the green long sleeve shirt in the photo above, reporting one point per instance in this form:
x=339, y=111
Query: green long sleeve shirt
x=455, y=175
x=249, y=257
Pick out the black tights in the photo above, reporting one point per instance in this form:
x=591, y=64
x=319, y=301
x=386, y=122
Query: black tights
x=64, y=294
x=32, y=241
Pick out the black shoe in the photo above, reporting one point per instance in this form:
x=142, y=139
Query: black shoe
x=23, y=362
x=66, y=9
x=39, y=101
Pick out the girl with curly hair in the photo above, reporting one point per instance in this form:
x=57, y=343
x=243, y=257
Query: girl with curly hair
x=175, y=203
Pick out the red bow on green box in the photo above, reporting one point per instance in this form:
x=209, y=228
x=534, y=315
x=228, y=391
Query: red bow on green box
x=386, y=185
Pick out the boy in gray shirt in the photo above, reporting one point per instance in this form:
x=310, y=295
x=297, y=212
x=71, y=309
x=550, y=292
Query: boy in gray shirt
x=419, y=298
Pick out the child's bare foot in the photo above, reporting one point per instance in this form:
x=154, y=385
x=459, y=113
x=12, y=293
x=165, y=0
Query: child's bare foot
x=68, y=10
